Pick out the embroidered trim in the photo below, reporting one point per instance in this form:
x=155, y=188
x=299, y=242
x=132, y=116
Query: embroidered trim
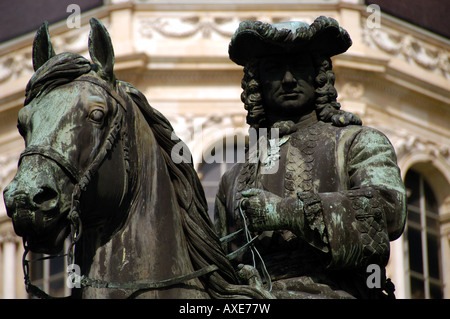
x=370, y=222
x=312, y=207
x=300, y=160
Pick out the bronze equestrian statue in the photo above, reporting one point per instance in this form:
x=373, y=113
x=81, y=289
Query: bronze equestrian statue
x=97, y=168
x=336, y=197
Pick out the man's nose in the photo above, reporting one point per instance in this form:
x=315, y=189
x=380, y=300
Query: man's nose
x=288, y=78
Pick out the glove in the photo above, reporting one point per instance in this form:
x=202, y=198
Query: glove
x=267, y=211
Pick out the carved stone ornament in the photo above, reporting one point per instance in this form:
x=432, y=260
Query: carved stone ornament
x=407, y=47
x=406, y=143
x=18, y=63
x=203, y=26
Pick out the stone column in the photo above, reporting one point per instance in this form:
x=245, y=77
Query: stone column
x=9, y=275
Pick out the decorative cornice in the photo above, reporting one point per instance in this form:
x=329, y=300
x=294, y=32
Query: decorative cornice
x=408, y=47
x=184, y=27
x=204, y=25
x=411, y=143
x=8, y=166
x=352, y=90
x=9, y=237
x=186, y=126
x=16, y=64
x=405, y=142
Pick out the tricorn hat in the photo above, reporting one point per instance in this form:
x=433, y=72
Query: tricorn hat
x=255, y=39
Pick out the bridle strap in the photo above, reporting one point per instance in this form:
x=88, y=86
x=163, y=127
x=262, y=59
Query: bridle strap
x=32, y=289
x=53, y=155
x=105, y=87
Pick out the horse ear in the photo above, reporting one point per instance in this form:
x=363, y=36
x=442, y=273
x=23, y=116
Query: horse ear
x=101, y=50
x=42, y=47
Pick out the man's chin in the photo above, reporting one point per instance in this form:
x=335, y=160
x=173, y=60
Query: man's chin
x=291, y=110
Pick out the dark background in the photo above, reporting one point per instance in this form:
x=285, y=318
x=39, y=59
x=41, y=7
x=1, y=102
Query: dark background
x=18, y=17
x=433, y=15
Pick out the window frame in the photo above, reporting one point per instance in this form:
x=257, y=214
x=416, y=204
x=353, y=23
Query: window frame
x=425, y=216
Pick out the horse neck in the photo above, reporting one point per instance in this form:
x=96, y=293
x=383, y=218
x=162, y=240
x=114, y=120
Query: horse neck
x=151, y=245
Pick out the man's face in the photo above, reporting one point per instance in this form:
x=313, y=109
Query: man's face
x=287, y=85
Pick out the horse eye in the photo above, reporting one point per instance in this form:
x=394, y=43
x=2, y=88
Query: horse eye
x=96, y=115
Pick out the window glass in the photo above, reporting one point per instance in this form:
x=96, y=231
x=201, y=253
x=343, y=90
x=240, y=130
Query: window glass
x=417, y=288
x=433, y=256
x=415, y=250
x=225, y=155
x=422, y=235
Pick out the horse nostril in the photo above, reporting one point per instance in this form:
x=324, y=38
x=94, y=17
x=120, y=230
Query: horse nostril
x=45, y=196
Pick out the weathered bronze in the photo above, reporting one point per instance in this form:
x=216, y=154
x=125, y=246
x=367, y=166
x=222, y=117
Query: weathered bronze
x=97, y=167
x=335, y=198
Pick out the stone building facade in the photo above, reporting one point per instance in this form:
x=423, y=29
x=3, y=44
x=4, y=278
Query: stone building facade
x=396, y=76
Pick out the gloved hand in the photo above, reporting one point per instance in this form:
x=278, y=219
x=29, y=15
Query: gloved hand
x=267, y=211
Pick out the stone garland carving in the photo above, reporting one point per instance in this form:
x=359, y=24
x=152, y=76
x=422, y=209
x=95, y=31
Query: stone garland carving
x=187, y=26
x=72, y=41
x=407, y=46
x=8, y=165
x=190, y=127
x=205, y=26
x=404, y=143
x=409, y=143
x=15, y=65
x=352, y=90
x=18, y=63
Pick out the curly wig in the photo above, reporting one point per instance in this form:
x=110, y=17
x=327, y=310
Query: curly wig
x=327, y=108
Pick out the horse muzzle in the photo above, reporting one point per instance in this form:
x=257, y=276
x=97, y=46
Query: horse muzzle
x=37, y=213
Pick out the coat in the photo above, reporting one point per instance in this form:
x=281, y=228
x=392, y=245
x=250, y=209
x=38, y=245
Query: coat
x=354, y=204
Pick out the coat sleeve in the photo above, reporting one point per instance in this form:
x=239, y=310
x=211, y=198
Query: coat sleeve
x=224, y=203
x=358, y=223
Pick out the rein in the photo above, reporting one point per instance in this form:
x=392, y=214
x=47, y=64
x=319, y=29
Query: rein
x=74, y=218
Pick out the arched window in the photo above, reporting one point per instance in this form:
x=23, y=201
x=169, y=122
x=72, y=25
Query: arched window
x=217, y=160
x=423, y=249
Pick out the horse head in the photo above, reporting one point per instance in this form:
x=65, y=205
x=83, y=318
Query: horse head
x=70, y=123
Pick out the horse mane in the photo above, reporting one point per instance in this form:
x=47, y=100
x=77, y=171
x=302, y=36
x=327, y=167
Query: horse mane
x=203, y=243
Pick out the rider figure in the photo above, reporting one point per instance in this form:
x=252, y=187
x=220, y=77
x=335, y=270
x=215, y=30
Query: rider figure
x=337, y=197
